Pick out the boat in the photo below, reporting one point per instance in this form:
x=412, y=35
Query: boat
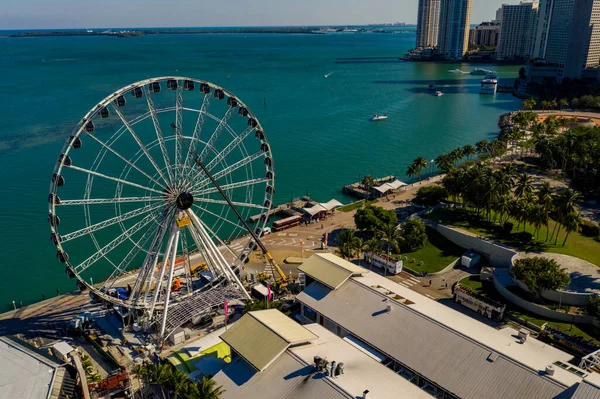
x=432, y=86
x=378, y=118
x=438, y=93
x=328, y=75
x=480, y=71
x=489, y=84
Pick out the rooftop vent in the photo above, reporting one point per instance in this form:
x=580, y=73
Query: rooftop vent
x=550, y=369
x=492, y=357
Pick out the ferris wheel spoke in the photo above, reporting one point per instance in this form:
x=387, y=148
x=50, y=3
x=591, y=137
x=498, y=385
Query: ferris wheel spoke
x=228, y=170
x=216, y=133
x=109, y=148
x=197, y=131
x=178, y=131
x=112, y=245
x=216, y=237
x=232, y=186
x=100, y=201
x=109, y=222
x=141, y=145
x=115, y=179
x=159, y=134
x=230, y=147
x=126, y=261
x=223, y=202
x=219, y=217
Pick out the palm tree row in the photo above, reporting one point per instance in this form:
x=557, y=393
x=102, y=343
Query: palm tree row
x=177, y=382
x=499, y=194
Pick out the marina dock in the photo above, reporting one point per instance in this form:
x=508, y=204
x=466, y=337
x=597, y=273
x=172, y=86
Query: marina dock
x=355, y=189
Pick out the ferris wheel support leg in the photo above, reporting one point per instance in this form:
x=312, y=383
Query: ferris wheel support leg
x=169, y=282
x=162, y=272
x=229, y=273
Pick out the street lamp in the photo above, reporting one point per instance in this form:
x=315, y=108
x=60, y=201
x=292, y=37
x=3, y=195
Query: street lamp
x=14, y=305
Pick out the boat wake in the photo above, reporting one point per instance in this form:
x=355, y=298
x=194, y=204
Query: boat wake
x=457, y=71
x=328, y=75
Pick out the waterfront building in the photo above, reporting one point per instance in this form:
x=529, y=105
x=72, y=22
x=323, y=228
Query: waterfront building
x=485, y=34
x=455, y=17
x=443, y=351
x=498, y=15
x=428, y=21
x=517, y=32
x=567, y=42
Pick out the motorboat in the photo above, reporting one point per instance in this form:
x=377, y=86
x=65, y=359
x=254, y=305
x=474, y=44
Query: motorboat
x=489, y=84
x=480, y=71
x=378, y=118
x=438, y=93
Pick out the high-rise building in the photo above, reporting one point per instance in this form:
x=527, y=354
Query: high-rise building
x=453, y=40
x=428, y=21
x=485, y=34
x=567, y=41
x=499, y=15
x=517, y=34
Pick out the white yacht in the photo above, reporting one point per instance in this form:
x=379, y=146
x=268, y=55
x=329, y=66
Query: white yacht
x=378, y=117
x=489, y=84
x=438, y=93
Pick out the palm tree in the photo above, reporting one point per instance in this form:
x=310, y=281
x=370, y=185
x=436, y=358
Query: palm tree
x=524, y=185
x=372, y=246
x=564, y=204
x=412, y=171
x=503, y=207
x=368, y=182
x=346, y=243
x=420, y=163
x=564, y=103
x=538, y=217
x=529, y=103
x=358, y=246
x=468, y=151
x=482, y=146
x=571, y=222
x=444, y=163
x=544, y=198
x=456, y=155
x=390, y=235
x=207, y=389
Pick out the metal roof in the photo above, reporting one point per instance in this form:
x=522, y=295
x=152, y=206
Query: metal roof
x=329, y=269
x=453, y=361
x=283, y=326
x=256, y=343
x=288, y=377
x=586, y=390
x=261, y=336
x=23, y=373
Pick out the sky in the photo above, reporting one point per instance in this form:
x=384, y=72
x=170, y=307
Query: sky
x=54, y=14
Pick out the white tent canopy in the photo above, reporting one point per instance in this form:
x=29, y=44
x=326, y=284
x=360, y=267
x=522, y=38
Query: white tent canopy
x=385, y=187
x=323, y=207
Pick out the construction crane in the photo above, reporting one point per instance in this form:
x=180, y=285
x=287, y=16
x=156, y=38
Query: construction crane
x=282, y=281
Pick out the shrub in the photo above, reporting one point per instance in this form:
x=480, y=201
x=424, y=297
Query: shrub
x=524, y=237
x=431, y=195
x=589, y=229
x=507, y=227
x=540, y=273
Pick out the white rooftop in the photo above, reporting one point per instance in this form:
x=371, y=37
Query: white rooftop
x=23, y=374
x=361, y=372
x=533, y=354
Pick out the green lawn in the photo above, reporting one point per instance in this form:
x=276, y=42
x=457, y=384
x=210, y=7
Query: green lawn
x=487, y=289
x=571, y=329
x=577, y=245
x=355, y=205
x=438, y=253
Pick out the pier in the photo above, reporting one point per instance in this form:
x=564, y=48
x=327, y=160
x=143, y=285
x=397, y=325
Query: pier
x=355, y=189
x=292, y=208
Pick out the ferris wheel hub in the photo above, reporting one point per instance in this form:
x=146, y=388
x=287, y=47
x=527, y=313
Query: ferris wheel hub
x=184, y=201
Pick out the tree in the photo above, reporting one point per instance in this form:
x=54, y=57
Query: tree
x=371, y=218
x=544, y=196
x=431, y=195
x=529, y=103
x=564, y=204
x=372, y=246
x=444, y=163
x=482, y=146
x=420, y=163
x=564, y=103
x=414, y=234
x=412, y=171
x=524, y=185
x=539, y=273
x=368, y=183
x=207, y=389
x=571, y=222
x=346, y=243
x=468, y=151
x=390, y=235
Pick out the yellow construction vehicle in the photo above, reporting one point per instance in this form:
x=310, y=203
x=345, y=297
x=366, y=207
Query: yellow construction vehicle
x=201, y=267
x=282, y=280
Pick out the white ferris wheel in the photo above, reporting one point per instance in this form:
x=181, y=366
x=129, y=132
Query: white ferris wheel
x=148, y=192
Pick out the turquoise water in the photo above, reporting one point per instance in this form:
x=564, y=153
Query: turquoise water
x=318, y=128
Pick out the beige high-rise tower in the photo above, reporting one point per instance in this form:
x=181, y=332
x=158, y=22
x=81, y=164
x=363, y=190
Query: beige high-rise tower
x=428, y=21
x=453, y=38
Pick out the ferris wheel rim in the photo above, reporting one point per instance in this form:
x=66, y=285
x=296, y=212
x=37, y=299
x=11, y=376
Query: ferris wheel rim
x=157, y=196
